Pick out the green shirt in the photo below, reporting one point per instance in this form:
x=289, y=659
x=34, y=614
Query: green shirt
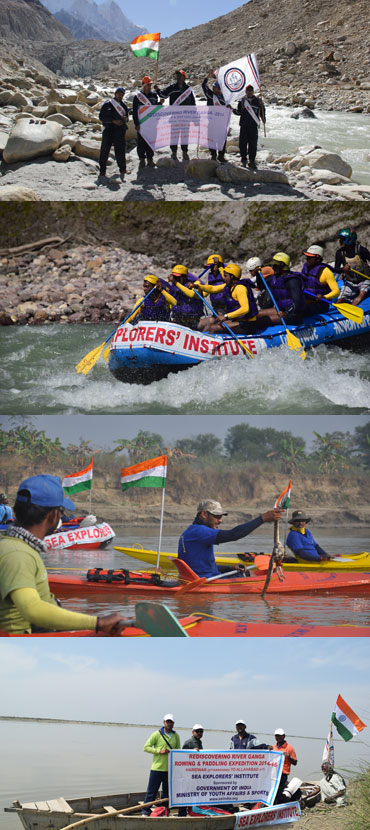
x=155, y=743
x=20, y=567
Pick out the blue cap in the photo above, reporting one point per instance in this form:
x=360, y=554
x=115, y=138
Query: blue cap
x=45, y=491
x=121, y=89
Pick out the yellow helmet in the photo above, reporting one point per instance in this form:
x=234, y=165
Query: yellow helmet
x=180, y=271
x=281, y=257
x=151, y=278
x=213, y=258
x=234, y=270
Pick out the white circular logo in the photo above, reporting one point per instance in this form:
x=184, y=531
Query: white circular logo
x=234, y=79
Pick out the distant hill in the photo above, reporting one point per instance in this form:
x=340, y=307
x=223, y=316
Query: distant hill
x=23, y=20
x=98, y=21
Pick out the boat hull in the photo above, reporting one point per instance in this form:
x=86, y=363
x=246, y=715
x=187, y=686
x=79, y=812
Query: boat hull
x=352, y=562
x=150, y=351
x=93, y=537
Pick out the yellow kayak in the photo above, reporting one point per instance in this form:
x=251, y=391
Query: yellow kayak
x=352, y=562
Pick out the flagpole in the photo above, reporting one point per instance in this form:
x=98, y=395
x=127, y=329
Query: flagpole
x=160, y=530
x=156, y=69
x=90, y=491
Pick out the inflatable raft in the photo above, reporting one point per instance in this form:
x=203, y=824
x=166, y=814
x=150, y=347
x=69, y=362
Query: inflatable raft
x=92, y=537
x=150, y=350
x=352, y=562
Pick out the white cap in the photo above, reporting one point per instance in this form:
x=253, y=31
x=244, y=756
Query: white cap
x=253, y=262
x=197, y=726
x=240, y=720
x=169, y=717
x=314, y=250
x=279, y=732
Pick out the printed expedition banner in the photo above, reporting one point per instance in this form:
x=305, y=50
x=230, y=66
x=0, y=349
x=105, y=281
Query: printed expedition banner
x=281, y=814
x=169, y=338
x=163, y=126
x=220, y=777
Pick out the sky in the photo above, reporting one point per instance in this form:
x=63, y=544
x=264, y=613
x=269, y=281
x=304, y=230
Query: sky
x=299, y=679
x=102, y=430
x=169, y=16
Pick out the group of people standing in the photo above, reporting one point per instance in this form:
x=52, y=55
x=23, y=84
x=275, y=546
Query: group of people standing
x=114, y=116
x=270, y=294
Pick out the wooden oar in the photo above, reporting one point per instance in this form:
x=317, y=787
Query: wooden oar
x=352, y=312
x=92, y=357
x=291, y=339
x=247, y=351
x=105, y=816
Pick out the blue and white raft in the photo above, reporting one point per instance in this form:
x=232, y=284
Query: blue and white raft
x=150, y=350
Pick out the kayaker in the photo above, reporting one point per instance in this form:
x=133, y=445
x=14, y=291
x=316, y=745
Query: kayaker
x=244, y=739
x=179, y=94
x=160, y=744
x=332, y=786
x=6, y=515
x=301, y=541
x=196, y=543
x=290, y=759
x=319, y=279
x=157, y=306
x=145, y=97
x=26, y=604
x=287, y=289
x=237, y=296
x=188, y=308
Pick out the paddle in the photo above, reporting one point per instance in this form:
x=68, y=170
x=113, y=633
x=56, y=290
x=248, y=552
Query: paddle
x=359, y=273
x=189, y=586
x=292, y=340
x=352, y=312
x=114, y=813
x=92, y=357
x=158, y=620
x=225, y=326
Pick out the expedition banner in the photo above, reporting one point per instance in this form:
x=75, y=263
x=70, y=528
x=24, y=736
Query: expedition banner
x=282, y=814
x=168, y=337
x=80, y=536
x=221, y=777
x=163, y=126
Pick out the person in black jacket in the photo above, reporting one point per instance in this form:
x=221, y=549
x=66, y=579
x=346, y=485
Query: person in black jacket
x=114, y=117
x=144, y=151
x=244, y=739
x=173, y=92
x=251, y=111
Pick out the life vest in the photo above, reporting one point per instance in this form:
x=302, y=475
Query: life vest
x=231, y=305
x=185, y=305
x=158, y=812
x=127, y=577
x=311, y=279
x=279, y=288
x=157, y=310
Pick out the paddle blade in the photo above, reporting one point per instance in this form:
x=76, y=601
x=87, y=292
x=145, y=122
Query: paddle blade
x=189, y=586
x=295, y=344
x=352, y=312
x=106, y=354
x=157, y=620
x=245, y=348
x=89, y=360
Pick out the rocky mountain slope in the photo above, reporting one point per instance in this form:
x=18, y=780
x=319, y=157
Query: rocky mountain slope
x=29, y=20
x=106, y=20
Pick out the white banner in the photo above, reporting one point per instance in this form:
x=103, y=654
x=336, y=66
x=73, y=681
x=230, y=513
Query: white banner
x=281, y=814
x=163, y=126
x=218, y=777
x=82, y=536
x=234, y=77
x=168, y=337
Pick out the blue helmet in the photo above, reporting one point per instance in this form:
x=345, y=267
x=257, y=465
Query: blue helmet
x=348, y=234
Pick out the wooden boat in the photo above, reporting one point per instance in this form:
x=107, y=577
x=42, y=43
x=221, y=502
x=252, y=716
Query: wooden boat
x=352, y=562
x=59, y=812
x=92, y=537
x=152, y=350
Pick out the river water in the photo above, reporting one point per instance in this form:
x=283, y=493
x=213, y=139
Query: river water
x=320, y=608
x=39, y=377
x=47, y=760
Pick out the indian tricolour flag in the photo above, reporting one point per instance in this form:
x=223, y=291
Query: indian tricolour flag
x=146, y=46
x=150, y=473
x=345, y=719
x=78, y=481
x=283, y=500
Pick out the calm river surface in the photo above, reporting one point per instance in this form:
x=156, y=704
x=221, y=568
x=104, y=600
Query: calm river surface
x=47, y=760
x=38, y=373
x=321, y=608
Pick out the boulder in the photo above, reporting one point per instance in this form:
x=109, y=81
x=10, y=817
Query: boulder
x=76, y=112
x=166, y=161
x=62, y=153
x=62, y=96
x=201, y=168
x=231, y=173
x=60, y=118
x=131, y=134
x=305, y=112
x=30, y=138
x=5, y=97
x=92, y=99
x=87, y=148
x=17, y=193
x=324, y=160
x=69, y=139
x=43, y=80
x=3, y=140
x=20, y=100
x=291, y=48
x=36, y=112
x=328, y=177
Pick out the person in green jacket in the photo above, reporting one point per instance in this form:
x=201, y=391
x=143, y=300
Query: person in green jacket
x=160, y=744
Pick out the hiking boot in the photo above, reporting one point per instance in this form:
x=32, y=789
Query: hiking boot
x=141, y=163
x=252, y=165
x=185, y=155
x=151, y=163
x=213, y=155
x=102, y=177
x=244, y=162
x=221, y=158
x=174, y=156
